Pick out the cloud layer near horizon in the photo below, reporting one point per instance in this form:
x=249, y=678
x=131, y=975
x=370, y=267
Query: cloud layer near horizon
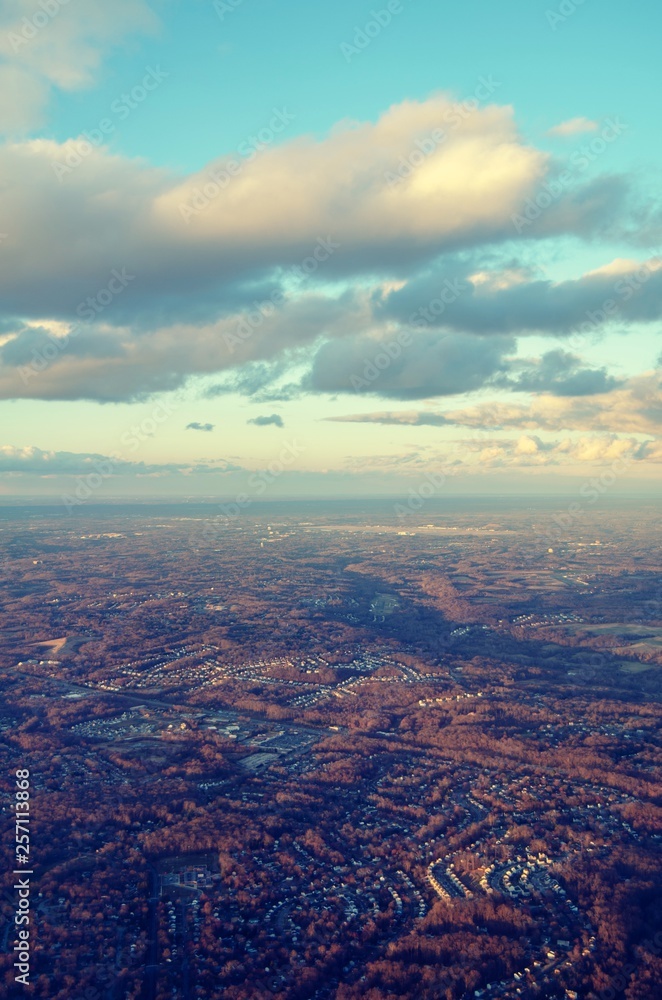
x=634, y=408
x=65, y=463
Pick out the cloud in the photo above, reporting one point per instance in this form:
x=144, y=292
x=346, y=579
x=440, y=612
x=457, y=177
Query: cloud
x=58, y=46
x=31, y=341
x=529, y=451
x=485, y=455
x=650, y=451
x=57, y=463
x=269, y=217
x=22, y=98
x=633, y=408
x=557, y=372
x=451, y=296
x=433, y=364
x=409, y=418
x=439, y=364
x=233, y=287
x=572, y=127
x=338, y=335
x=195, y=426
x=130, y=365
x=273, y=421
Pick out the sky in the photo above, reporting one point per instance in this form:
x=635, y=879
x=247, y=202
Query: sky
x=251, y=249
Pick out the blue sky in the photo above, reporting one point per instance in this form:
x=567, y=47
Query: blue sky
x=320, y=120
x=226, y=74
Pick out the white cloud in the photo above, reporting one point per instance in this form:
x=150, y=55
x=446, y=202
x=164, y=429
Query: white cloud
x=269, y=216
x=59, y=45
x=623, y=266
x=572, y=127
x=529, y=451
x=473, y=180
x=634, y=408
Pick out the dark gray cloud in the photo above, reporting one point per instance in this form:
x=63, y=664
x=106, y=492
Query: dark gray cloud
x=195, y=426
x=410, y=419
x=446, y=297
x=559, y=373
x=273, y=421
x=438, y=364
x=250, y=350
x=434, y=364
